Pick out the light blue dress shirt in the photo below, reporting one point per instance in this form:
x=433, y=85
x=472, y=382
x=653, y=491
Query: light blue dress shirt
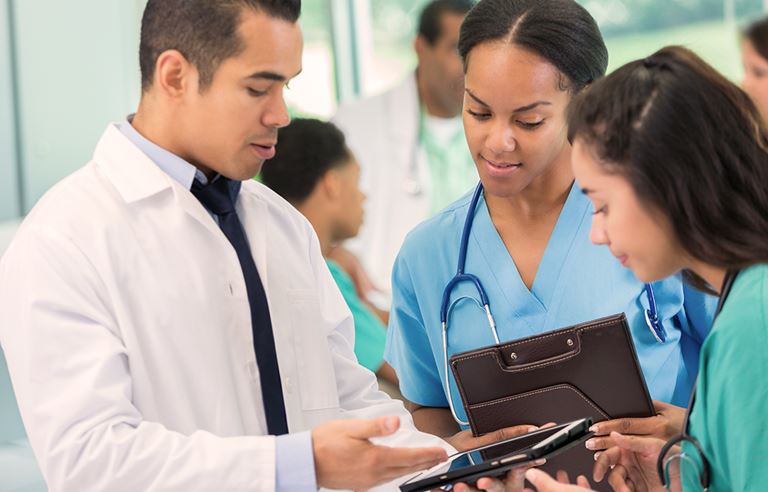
x=576, y=281
x=293, y=452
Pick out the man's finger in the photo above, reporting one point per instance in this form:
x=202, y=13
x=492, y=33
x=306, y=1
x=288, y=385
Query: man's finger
x=582, y=481
x=562, y=476
x=542, y=481
x=403, y=458
x=365, y=429
x=388, y=473
x=490, y=484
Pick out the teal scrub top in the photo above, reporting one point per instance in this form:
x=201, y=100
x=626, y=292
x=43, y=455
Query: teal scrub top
x=728, y=416
x=370, y=332
x=577, y=281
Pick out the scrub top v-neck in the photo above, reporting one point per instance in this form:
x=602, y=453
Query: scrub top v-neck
x=576, y=281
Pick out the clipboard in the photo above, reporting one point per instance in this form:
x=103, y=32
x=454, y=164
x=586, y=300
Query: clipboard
x=586, y=370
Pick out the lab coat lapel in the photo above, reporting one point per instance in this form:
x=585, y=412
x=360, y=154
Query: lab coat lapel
x=131, y=172
x=404, y=109
x=136, y=177
x=254, y=218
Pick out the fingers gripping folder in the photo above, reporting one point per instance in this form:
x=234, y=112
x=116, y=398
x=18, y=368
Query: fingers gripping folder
x=586, y=370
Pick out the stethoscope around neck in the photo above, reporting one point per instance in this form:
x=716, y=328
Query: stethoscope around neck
x=651, y=314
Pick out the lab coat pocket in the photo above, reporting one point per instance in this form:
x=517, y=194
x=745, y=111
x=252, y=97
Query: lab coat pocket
x=317, y=378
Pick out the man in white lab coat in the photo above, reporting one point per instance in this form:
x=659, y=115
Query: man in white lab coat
x=410, y=143
x=134, y=310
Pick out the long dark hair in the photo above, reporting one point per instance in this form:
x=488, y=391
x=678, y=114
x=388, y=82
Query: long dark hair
x=693, y=147
x=560, y=31
x=757, y=34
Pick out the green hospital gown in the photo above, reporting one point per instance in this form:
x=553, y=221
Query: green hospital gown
x=370, y=332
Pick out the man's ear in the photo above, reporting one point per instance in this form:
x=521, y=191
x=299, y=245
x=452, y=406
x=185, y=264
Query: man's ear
x=420, y=46
x=174, y=75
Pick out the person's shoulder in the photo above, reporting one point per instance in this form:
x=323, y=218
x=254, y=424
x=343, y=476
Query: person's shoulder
x=81, y=197
x=74, y=211
x=742, y=326
x=372, y=106
x=748, y=295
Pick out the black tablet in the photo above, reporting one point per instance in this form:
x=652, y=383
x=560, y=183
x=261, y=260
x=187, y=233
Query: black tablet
x=497, y=459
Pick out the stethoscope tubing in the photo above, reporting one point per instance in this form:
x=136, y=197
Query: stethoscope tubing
x=651, y=314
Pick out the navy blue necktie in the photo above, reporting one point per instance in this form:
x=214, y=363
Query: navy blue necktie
x=219, y=197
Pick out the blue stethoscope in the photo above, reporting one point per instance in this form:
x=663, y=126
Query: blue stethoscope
x=651, y=314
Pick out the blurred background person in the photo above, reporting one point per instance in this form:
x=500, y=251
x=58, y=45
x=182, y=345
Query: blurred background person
x=317, y=173
x=410, y=143
x=754, y=57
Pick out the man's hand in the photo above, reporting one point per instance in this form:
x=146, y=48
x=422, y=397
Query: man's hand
x=346, y=459
x=513, y=481
x=666, y=424
x=464, y=440
x=545, y=483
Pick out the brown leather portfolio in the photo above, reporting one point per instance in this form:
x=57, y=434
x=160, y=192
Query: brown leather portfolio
x=586, y=370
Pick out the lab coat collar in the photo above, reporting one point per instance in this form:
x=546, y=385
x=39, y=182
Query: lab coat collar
x=136, y=177
x=133, y=174
x=173, y=165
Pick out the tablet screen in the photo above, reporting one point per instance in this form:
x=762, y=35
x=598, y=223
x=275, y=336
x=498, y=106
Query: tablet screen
x=488, y=454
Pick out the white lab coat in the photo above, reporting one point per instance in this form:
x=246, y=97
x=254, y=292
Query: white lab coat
x=126, y=326
x=383, y=132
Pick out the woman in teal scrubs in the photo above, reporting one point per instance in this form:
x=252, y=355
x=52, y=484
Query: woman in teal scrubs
x=529, y=244
x=704, y=212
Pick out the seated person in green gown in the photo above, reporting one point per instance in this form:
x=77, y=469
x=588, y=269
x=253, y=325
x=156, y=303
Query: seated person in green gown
x=316, y=172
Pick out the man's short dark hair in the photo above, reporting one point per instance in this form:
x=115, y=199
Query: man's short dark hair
x=204, y=31
x=306, y=150
x=430, y=21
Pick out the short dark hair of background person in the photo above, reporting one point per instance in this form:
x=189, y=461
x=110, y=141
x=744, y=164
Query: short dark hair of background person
x=306, y=150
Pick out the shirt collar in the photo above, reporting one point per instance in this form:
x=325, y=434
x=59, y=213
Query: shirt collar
x=173, y=165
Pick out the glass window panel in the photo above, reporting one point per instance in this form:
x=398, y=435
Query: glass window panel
x=313, y=91
x=389, y=55
x=636, y=28
x=632, y=29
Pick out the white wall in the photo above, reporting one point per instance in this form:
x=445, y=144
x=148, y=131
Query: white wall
x=78, y=70
x=9, y=198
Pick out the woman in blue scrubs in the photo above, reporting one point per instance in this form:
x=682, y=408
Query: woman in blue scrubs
x=529, y=244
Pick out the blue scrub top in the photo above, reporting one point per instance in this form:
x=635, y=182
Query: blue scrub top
x=577, y=281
